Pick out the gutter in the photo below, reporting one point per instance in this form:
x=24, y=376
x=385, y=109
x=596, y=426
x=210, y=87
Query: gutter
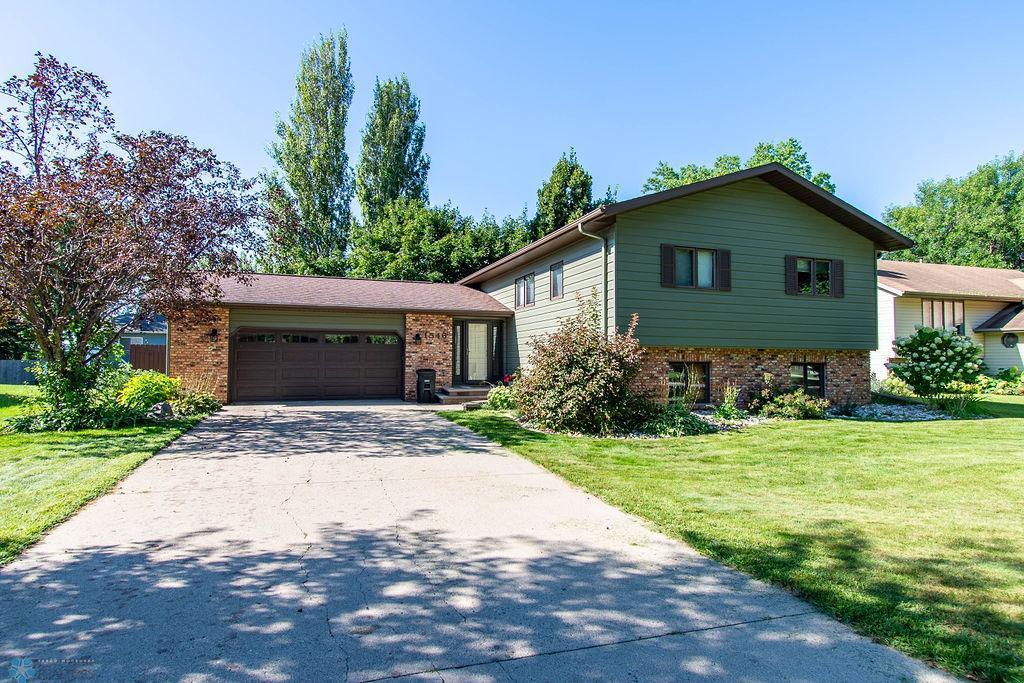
x=604, y=272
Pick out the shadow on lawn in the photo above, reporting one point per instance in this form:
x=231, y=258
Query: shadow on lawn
x=882, y=596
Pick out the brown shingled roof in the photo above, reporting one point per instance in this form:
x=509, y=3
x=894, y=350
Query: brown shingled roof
x=339, y=293
x=905, y=277
x=1010, y=319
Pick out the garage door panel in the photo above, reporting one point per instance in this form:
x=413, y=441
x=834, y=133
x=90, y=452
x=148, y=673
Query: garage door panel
x=314, y=368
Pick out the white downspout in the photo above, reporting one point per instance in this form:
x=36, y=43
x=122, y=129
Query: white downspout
x=604, y=273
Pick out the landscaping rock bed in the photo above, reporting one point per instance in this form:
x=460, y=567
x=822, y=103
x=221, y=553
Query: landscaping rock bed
x=882, y=412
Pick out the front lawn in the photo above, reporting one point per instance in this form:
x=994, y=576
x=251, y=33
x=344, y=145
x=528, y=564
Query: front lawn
x=46, y=477
x=913, y=533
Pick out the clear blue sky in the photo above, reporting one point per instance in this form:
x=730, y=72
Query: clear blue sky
x=882, y=95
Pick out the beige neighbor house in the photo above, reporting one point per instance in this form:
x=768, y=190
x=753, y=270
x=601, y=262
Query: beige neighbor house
x=985, y=304
x=755, y=272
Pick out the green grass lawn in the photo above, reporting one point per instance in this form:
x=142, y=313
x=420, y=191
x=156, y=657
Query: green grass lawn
x=913, y=533
x=46, y=477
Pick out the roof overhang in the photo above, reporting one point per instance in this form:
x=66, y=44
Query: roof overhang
x=777, y=175
x=1008, y=319
x=457, y=313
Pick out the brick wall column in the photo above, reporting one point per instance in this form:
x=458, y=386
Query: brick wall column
x=197, y=359
x=432, y=352
x=847, y=373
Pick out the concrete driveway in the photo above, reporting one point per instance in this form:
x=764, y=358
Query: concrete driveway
x=368, y=542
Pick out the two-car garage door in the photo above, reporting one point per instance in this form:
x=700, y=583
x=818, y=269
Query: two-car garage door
x=299, y=364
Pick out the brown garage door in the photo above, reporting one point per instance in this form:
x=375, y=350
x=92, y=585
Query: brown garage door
x=299, y=364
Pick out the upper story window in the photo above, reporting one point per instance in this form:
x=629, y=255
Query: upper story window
x=943, y=314
x=696, y=267
x=525, y=292
x=557, y=281
x=806, y=276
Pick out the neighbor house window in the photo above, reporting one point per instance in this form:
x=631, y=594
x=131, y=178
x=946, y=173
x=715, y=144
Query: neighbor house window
x=943, y=314
x=808, y=376
x=689, y=381
x=557, y=284
x=525, y=293
x=695, y=268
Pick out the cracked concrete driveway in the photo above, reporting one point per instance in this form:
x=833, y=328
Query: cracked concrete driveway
x=366, y=542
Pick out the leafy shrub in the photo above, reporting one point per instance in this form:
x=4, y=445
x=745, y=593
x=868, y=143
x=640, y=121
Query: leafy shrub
x=501, y=398
x=894, y=386
x=729, y=410
x=580, y=379
x=964, y=404
x=189, y=403
x=1007, y=383
x=796, y=405
x=674, y=420
x=935, y=359
x=791, y=404
x=145, y=389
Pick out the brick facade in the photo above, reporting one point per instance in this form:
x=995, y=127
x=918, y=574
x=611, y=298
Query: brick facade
x=847, y=373
x=197, y=358
x=432, y=351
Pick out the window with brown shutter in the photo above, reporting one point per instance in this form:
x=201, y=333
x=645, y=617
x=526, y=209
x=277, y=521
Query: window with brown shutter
x=807, y=276
x=695, y=267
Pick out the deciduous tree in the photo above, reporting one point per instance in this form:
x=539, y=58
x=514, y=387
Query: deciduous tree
x=790, y=153
x=392, y=164
x=977, y=220
x=565, y=196
x=94, y=222
x=314, y=181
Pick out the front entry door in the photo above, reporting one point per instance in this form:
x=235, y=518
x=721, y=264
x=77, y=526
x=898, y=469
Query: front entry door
x=477, y=351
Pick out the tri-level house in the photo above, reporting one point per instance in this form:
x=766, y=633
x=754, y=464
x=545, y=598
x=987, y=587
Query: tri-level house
x=755, y=272
x=984, y=304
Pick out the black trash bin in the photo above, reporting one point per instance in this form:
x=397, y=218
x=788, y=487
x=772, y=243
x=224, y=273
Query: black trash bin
x=425, y=386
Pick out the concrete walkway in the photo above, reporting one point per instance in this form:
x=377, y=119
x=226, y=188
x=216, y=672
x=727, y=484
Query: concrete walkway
x=366, y=542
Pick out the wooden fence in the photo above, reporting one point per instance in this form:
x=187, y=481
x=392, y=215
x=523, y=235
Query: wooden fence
x=16, y=372
x=148, y=356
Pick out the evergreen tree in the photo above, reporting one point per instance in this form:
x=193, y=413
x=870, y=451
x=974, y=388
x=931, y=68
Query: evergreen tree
x=314, y=181
x=393, y=164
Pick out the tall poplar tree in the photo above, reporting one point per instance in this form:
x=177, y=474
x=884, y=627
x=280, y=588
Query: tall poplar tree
x=314, y=180
x=392, y=165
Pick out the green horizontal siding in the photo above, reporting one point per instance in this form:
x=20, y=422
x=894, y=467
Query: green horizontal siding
x=313, y=319
x=582, y=265
x=760, y=225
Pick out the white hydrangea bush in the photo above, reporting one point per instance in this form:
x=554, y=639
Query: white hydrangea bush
x=936, y=361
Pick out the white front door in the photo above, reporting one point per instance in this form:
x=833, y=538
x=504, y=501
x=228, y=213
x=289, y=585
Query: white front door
x=476, y=352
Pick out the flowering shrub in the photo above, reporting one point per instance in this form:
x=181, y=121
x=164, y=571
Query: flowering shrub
x=934, y=360
x=1008, y=382
x=580, y=379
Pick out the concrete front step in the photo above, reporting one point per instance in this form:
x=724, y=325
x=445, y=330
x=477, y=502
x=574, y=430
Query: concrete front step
x=462, y=394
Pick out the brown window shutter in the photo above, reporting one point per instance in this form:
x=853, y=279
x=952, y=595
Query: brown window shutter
x=838, y=279
x=723, y=266
x=668, y=265
x=791, y=287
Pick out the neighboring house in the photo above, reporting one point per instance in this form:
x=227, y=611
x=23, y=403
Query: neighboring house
x=984, y=304
x=151, y=330
x=755, y=272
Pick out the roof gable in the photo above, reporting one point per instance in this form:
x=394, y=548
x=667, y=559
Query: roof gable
x=793, y=184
